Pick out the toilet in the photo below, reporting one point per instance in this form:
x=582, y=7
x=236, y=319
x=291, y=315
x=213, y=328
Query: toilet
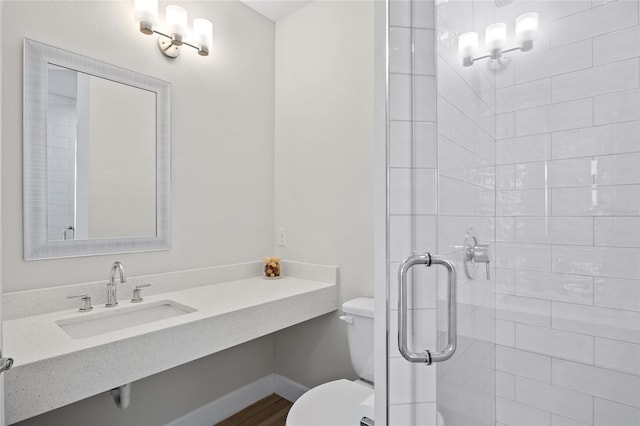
x=335, y=403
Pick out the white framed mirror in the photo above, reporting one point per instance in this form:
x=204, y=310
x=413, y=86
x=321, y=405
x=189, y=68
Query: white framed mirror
x=97, y=157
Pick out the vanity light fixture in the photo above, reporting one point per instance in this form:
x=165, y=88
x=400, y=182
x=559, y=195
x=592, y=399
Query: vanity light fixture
x=496, y=40
x=175, y=34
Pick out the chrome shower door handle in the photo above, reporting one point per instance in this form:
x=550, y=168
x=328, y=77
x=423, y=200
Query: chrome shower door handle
x=427, y=356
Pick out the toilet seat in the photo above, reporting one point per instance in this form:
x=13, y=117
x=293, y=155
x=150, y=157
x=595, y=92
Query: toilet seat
x=330, y=404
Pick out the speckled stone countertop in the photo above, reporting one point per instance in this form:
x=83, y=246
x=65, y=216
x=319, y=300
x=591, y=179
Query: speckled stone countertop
x=52, y=369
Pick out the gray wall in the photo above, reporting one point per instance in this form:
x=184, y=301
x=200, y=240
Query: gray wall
x=324, y=168
x=122, y=164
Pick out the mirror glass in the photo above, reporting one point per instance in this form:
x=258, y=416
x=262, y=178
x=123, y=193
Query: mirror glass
x=96, y=156
x=101, y=157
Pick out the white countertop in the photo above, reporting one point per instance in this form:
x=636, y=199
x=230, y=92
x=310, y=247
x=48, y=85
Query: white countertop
x=52, y=369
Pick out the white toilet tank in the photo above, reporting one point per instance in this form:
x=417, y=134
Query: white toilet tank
x=358, y=314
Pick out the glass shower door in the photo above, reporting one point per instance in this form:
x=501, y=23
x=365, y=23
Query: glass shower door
x=441, y=191
x=412, y=226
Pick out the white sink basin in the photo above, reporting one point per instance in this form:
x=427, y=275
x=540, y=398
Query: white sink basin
x=120, y=318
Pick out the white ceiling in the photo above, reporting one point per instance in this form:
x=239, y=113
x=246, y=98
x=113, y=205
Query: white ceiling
x=275, y=9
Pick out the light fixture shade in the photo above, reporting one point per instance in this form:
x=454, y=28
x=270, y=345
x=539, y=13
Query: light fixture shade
x=526, y=28
x=468, y=44
x=176, y=20
x=146, y=11
x=203, y=32
x=496, y=36
x=526, y=23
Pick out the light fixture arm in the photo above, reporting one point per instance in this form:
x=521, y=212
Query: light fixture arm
x=496, y=55
x=168, y=41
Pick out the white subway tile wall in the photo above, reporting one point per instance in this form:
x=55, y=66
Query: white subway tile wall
x=467, y=177
x=61, y=155
x=568, y=287
x=542, y=158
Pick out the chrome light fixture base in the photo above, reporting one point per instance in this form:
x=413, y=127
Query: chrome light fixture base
x=499, y=63
x=168, y=47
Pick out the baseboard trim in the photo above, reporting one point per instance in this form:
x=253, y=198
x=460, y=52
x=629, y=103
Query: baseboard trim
x=287, y=388
x=228, y=405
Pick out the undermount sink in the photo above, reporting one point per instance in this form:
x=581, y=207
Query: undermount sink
x=120, y=318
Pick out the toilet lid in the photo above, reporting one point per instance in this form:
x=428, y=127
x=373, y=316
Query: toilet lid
x=330, y=404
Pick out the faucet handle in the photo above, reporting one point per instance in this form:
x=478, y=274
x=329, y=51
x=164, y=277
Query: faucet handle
x=136, y=292
x=85, y=301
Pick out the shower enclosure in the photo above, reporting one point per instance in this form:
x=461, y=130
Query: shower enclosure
x=534, y=152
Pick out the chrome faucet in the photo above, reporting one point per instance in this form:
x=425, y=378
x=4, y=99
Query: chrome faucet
x=112, y=290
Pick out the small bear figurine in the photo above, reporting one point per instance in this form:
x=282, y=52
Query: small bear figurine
x=272, y=267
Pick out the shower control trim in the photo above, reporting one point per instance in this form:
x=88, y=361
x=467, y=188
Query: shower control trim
x=474, y=253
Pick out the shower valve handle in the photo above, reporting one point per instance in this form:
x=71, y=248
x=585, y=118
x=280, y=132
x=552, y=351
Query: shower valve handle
x=480, y=254
x=474, y=253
